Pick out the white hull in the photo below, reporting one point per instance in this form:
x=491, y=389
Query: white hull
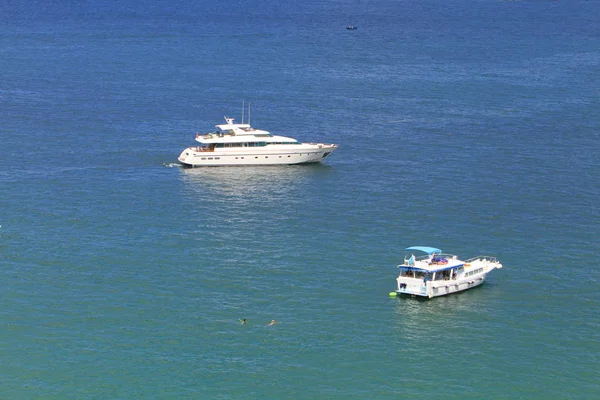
x=301, y=154
x=435, y=289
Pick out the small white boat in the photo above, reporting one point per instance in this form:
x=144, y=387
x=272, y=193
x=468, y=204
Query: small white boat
x=434, y=273
x=241, y=144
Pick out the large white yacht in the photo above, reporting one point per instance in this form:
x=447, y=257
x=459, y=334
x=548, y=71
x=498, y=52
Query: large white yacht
x=241, y=144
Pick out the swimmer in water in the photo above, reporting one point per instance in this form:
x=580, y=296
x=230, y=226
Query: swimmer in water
x=243, y=321
x=272, y=322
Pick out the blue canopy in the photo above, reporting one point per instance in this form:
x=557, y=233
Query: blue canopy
x=425, y=249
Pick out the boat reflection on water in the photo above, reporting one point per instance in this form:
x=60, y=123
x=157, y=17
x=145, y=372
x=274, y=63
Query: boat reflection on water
x=251, y=183
x=235, y=208
x=418, y=317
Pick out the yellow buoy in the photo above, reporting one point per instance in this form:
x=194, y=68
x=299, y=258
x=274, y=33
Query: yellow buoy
x=393, y=294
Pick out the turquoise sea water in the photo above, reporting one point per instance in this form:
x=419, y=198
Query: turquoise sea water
x=468, y=126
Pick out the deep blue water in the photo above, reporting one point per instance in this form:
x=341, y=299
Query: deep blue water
x=472, y=126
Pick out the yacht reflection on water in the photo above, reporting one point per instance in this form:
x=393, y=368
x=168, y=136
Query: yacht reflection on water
x=417, y=316
x=251, y=181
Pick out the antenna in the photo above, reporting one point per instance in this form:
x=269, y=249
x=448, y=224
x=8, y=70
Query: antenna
x=243, y=106
x=248, y=113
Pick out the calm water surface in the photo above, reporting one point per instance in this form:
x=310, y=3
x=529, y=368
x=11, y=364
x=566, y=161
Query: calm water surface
x=468, y=126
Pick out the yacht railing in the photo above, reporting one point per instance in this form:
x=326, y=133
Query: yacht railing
x=202, y=149
x=482, y=258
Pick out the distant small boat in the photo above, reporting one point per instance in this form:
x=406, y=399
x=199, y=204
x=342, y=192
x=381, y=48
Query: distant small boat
x=351, y=27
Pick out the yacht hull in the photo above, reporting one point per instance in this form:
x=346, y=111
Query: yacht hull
x=436, y=289
x=196, y=157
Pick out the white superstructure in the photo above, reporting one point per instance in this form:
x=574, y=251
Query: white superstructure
x=437, y=274
x=241, y=144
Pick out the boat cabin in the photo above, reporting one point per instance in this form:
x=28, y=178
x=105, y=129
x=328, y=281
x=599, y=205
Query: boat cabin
x=444, y=274
x=431, y=266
